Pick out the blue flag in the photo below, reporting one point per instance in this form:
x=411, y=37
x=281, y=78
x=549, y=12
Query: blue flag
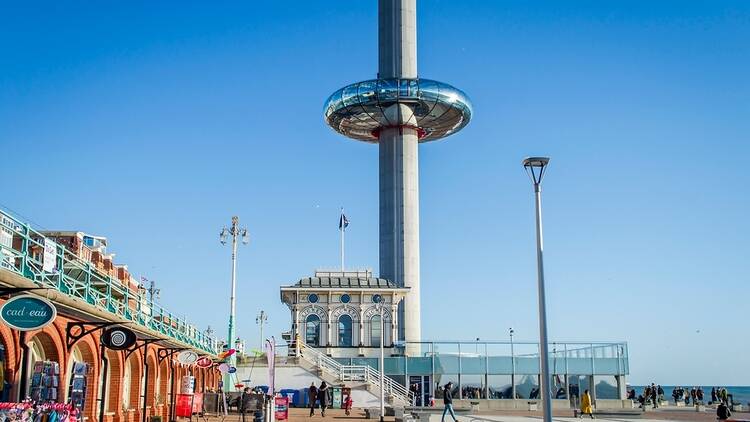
x=343, y=222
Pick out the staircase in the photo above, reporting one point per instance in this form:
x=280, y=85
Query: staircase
x=395, y=393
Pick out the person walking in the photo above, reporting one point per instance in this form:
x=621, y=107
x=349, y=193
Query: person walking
x=244, y=402
x=586, y=407
x=713, y=395
x=323, y=398
x=448, y=401
x=654, y=396
x=722, y=412
x=724, y=395
x=312, y=394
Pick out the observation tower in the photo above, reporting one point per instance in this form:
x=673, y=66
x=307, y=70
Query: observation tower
x=397, y=111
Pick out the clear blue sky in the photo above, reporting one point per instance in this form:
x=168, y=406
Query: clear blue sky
x=153, y=123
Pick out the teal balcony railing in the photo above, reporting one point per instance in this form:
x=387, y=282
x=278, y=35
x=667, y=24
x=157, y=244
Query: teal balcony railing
x=22, y=251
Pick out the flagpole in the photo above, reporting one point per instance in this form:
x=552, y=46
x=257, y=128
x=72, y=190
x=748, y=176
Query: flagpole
x=342, y=227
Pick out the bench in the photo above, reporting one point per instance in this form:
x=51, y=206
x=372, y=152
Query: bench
x=614, y=413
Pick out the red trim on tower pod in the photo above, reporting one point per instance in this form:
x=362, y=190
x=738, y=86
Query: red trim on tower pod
x=421, y=133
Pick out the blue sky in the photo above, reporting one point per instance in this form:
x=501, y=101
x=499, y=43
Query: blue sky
x=152, y=124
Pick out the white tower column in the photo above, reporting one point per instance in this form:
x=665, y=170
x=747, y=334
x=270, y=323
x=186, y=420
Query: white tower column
x=399, y=170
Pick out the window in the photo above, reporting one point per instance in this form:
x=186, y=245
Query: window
x=312, y=298
x=376, y=331
x=345, y=331
x=312, y=330
x=345, y=298
x=376, y=298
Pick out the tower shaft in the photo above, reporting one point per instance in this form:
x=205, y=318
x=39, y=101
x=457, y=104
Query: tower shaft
x=399, y=169
x=397, y=39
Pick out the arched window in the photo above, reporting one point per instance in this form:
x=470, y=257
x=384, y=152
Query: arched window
x=345, y=331
x=376, y=331
x=312, y=330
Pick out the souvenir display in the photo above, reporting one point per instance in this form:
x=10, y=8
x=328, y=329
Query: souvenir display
x=77, y=388
x=45, y=381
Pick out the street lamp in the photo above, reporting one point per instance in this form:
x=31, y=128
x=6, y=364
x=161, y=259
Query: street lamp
x=513, y=368
x=536, y=167
x=235, y=231
x=261, y=319
x=152, y=292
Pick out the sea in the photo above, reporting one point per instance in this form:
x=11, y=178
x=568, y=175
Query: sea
x=741, y=394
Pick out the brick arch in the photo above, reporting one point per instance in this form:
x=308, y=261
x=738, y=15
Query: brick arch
x=54, y=350
x=163, y=387
x=89, y=353
x=51, y=342
x=114, y=389
x=11, y=358
x=134, y=362
x=151, y=381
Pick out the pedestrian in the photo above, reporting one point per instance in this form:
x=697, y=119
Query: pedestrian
x=713, y=395
x=687, y=397
x=312, y=394
x=699, y=394
x=586, y=407
x=244, y=402
x=654, y=395
x=348, y=403
x=661, y=392
x=694, y=396
x=448, y=401
x=722, y=412
x=724, y=396
x=323, y=398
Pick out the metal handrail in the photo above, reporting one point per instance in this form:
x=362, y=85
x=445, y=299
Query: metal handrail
x=80, y=279
x=355, y=373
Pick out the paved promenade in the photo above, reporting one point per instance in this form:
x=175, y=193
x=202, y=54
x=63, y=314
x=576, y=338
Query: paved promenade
x=675, y=414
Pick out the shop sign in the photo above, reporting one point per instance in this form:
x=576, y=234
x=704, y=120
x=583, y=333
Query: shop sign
x=118, y=338
x=187, y=357
x=204, y=362
x=49, y=259
x=26, y=312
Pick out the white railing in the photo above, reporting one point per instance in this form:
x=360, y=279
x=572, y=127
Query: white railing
x=355, y=373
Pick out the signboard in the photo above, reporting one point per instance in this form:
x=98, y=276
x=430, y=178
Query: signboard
x=118, y=338
x=204, y=362
x=26, y=313
x=187, y=357
x=271, y=356
x=49, y=259
x=282, y=408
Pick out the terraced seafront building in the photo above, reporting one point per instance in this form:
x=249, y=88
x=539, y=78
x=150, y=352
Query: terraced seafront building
x=88, y=290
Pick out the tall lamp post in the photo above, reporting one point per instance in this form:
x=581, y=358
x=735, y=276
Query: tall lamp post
x=536, y=167
x=235, y=231
x=513, y=368
x=261, y=320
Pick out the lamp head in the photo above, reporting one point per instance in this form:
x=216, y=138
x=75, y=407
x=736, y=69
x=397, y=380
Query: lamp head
x=223, y=236
x=535, y=167
x=245, y=237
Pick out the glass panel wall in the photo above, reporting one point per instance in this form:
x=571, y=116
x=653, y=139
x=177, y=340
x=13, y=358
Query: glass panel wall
x=500, y=386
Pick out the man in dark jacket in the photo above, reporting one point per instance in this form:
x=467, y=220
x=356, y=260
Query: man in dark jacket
x=448, y=401
x=312, y=395
x=244, y=402
x=722, y=412
x=323, y=398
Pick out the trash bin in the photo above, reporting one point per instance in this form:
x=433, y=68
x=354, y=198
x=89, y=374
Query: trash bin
x=291, y=394
x=336, y=398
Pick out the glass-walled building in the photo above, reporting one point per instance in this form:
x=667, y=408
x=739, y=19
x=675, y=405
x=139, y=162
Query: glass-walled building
x=503, y=370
